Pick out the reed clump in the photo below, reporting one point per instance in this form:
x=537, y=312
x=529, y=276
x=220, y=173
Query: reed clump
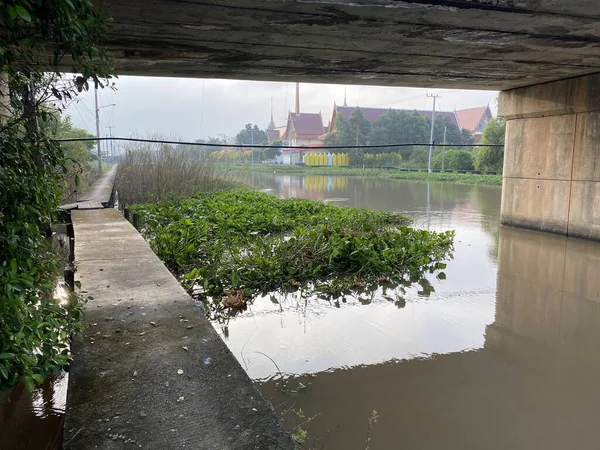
x=150, y=172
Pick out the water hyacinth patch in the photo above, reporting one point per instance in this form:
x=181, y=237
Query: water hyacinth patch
x=232, y=245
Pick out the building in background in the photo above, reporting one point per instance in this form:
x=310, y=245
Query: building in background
x=474, y=120
x=307, y=129
x=302, y=130
x=372, y=114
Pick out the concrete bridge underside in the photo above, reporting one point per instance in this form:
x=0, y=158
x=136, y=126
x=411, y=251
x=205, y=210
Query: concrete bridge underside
x=542, y=53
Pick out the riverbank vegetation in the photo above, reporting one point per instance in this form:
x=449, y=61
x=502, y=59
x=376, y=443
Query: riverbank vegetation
x=229, y=246
x=408, y=128
x=81, y=168
x=150, y=172
x=463, y=178
x=36, y=40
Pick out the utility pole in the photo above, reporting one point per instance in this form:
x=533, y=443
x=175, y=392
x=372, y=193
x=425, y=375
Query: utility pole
x=252, y=143
x=98, y=108
x=110, y=127
x=99, y=152
x=444, y=148
x=435, y=97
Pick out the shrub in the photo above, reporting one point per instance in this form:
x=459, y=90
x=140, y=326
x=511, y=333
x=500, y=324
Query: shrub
x=453, y=160
x=36, y=36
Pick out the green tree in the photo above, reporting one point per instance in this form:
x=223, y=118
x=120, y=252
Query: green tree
x=341, y=133
x=351, y=132
x=251, y=134
x=78, y=156
x=272, y=152
x=454, y=135
x=453, y=160
x=400, y=127
x=468, y=137
x=359, y=128
x=38, y=37
x=490, y=159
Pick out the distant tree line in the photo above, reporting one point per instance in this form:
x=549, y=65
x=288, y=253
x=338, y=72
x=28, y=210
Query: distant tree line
x=404, y=127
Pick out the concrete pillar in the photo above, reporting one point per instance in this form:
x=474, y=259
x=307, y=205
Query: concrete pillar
x=552, y=157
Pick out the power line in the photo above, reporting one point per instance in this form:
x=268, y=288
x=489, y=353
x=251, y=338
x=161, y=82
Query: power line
x=299, y=147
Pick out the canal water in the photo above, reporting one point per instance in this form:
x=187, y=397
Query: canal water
x=501, y=354
x=34, y=420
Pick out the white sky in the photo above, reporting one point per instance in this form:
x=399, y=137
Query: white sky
x=190, y=109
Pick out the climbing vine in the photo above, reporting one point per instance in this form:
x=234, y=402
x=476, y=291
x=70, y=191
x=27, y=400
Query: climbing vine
x=39, y=39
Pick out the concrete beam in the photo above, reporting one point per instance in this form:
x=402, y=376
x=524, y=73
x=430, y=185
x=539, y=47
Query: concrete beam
x=552, y=157
x=444, y=43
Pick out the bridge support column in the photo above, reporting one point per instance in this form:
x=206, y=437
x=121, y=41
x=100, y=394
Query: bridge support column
x=552, y=157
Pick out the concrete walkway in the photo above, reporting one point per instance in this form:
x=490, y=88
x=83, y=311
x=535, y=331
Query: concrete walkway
x=99, y=193
x=150, y=371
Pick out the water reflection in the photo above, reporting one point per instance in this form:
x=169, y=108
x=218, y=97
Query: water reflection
x=310, y=335
x=34, y=420
x=534, y=384
x=501, y=356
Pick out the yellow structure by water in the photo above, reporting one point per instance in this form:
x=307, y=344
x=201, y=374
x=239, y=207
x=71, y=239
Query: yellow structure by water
x=320, y=159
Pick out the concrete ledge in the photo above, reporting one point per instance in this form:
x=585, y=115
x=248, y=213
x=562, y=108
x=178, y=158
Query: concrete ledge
x=125, y=391
x=572, y=95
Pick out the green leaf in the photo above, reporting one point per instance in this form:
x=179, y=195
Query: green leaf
x=29, y=384
x=23, y=13
x=7, y=356
x=12, y=12
x=78, y=284
x=29, y=360
x=38, y=378
x=441, y=276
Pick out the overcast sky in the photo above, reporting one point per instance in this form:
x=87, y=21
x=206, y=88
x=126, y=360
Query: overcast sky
x=190, y=109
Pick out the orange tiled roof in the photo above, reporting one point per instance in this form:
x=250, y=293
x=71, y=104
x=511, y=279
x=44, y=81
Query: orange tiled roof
x=470, y=118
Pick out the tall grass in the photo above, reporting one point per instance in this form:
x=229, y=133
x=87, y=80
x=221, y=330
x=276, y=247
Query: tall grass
x=151, y=172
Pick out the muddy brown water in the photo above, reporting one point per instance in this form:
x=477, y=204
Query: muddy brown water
x=34, y=420
x=502, y=355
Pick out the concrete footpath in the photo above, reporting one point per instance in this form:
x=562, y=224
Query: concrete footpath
x=150, y=371
x=98, y=195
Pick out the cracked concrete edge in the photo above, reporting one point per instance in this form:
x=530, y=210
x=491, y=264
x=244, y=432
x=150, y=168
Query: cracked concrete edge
x=125, y=386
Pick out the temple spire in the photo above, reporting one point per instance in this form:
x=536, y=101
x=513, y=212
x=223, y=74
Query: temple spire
x=297, y=98
x=272, y=122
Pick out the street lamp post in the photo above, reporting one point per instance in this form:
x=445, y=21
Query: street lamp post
x=98, y=108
